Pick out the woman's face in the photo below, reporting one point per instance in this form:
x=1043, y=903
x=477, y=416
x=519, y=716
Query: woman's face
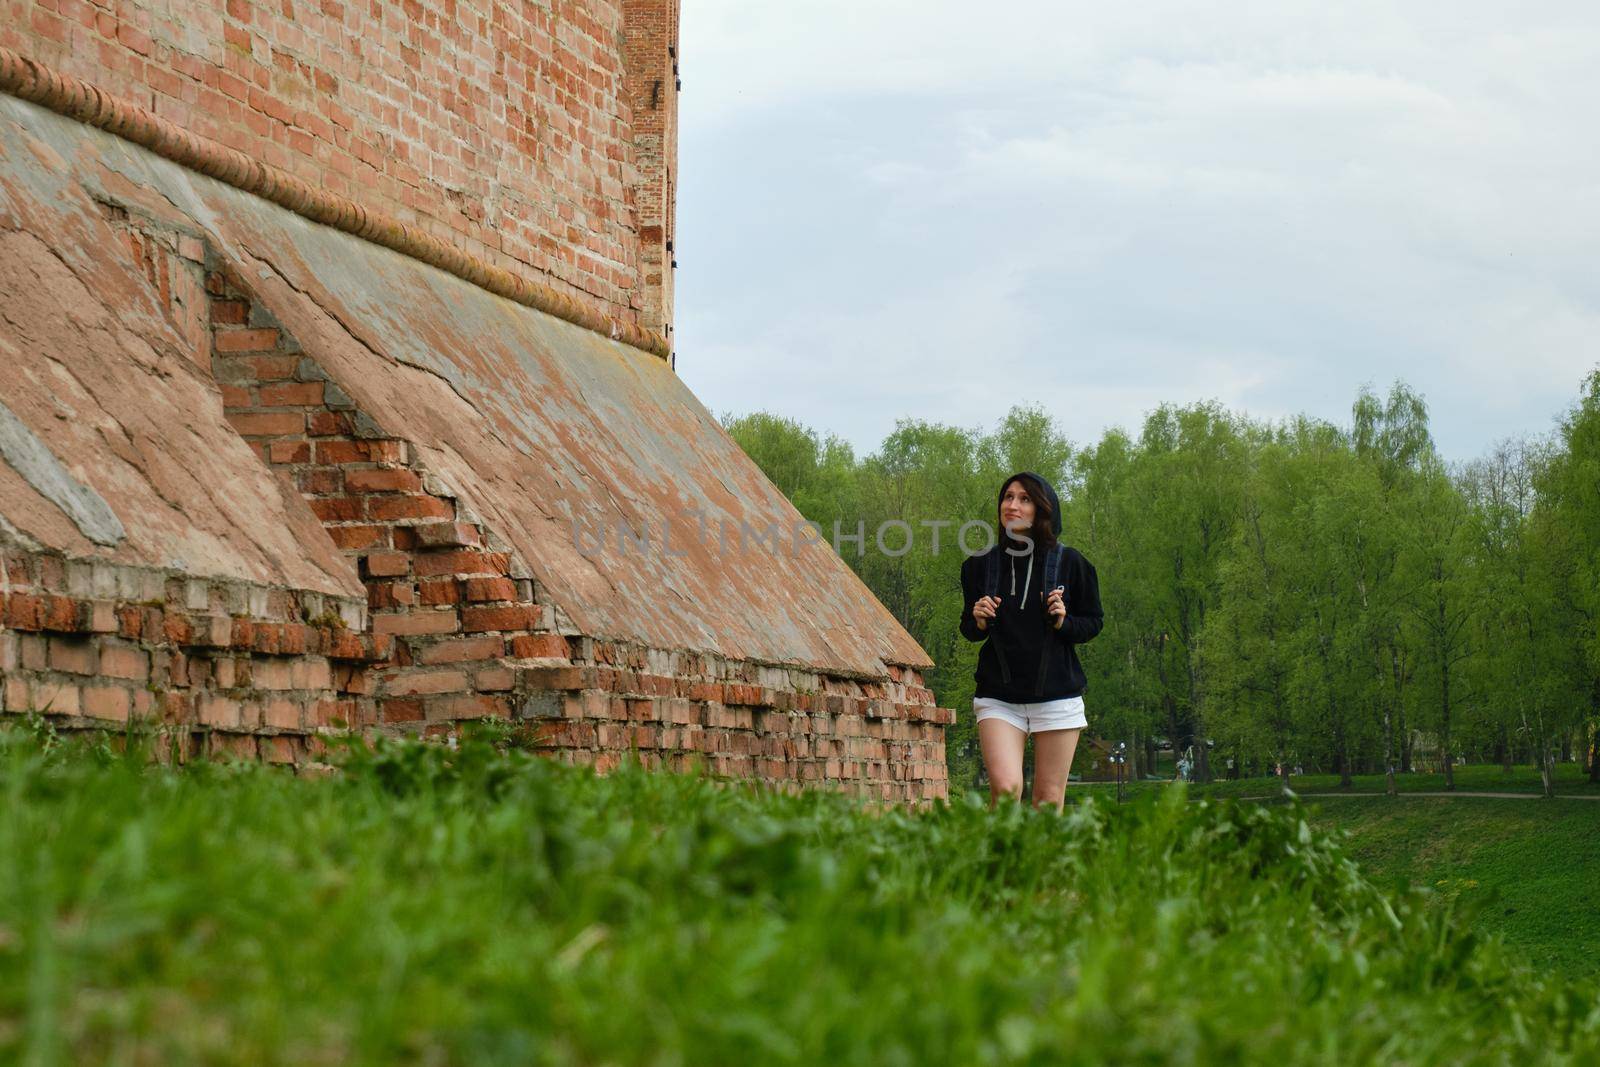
x=1016, y=508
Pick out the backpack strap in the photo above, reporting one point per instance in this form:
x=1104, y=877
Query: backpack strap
x=991, y=587
x=1052, y=571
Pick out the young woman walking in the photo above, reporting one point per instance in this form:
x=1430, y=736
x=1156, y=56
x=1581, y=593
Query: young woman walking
x=1031, y=601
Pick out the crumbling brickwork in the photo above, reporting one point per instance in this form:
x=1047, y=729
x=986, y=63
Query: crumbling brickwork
x=271, y=468
x=473, y=637
x=223, y=666
x=506, y=127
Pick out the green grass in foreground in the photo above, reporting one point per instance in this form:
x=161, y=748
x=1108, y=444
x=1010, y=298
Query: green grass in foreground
x=1527, y=871
x=473, y=907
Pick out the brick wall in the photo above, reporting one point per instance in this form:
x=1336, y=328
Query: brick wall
x=502, y=126
x=219, y=666
x=475, y=636
x=653, y=84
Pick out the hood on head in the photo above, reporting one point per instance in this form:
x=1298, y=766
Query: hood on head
x=1049, y=492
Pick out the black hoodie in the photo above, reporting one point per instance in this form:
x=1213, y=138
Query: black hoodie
x=1023, y=626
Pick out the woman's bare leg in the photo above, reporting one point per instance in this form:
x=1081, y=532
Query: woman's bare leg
x=1002, y=746
x=1052, y=762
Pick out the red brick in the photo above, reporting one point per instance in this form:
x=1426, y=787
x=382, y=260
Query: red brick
x=338, y=508
x=416, y=622
x=107, y=702
x=493, y=679
x=229, y=312
x=262, y=340
x=289, y=452
x=440, y=591
x=490, y=589
x=355, y=538
x=121, y=661
x=64, y=615
x=466, y=706
x=462, y=650
x=340, y=452
x=387, y=596
x=401, y=710
x=461, y=562
x=290, y=395
x=390, y=508
x=388, y=564
x=382, y=480
x=425, y=683
x=540, y=646
x=273, y=368
x=446, y=535
x=515, y=617
x=328, y=424
x=24, y=612
x=267, y=423
x=73, y=656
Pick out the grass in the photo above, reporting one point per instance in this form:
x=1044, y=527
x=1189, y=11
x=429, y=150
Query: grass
x=443, y=906
x=1571, y=779
x=1529, y=872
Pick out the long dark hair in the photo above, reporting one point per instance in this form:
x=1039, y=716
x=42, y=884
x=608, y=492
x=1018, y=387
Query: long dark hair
x=1043, y=532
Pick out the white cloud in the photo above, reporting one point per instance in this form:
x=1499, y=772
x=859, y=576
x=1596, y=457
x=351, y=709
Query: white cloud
x=1268, y=204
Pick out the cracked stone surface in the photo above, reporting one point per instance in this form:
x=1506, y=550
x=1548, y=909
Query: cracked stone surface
x=96, y=380
x=535, y=423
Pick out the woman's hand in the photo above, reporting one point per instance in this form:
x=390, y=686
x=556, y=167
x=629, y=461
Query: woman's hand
x=984, y=610
x=1056, y=605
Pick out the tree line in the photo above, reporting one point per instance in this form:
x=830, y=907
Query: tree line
x=1279, y=596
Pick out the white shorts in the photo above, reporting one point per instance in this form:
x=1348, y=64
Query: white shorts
x=1064, y=714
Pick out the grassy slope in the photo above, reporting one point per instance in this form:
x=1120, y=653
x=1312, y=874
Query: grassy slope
x=445, y=907
x=1531, y=868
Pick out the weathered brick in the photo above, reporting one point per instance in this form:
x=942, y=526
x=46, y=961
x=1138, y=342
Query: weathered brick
x=463, y=707
x=382, y=480
x=245, y=340
x=540, y=646
x=490, y=589
x=407, y=709
x=229, y=312
x=446, y=535
x=267, y=423
x=328, y=424
x=107, y=702
x=493, y=679
x=462, y=650
x=225, y=713
x=461, y=562
x=338, y=508
x=387, y=564
x=282, y=713
x=419, y=683
x=417, y=622
x=290, y=395
x=440, y=591
x=123, y=661
x=513, y=617
x=408, y=506
x=73, y=656
x=358, y=536
x=56, y=698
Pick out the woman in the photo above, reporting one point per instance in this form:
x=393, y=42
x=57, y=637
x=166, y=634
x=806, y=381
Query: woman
x=1029, y=678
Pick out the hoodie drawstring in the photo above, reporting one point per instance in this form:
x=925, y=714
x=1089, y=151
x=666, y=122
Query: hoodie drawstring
x=1026, y=578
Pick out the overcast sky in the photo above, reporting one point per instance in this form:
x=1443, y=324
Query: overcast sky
x=938, y=209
